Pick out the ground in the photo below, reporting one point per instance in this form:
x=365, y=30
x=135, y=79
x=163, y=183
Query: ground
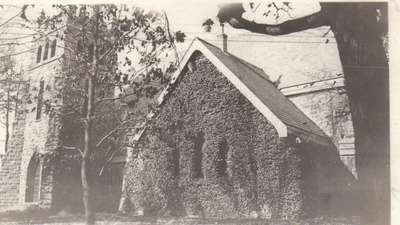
x=45, y=218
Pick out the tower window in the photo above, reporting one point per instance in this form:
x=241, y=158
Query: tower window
x=40, y=100
x=39, y=54
x=197, y=156
x=53, y=48
x=46, y=51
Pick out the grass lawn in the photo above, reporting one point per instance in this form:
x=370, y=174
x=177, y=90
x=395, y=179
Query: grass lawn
x=36, y=216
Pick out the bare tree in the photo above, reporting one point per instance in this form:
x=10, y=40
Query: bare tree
x=95, y=37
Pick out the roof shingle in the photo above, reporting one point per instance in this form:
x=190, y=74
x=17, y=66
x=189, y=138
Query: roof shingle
x=257, y=81
x=256, y=86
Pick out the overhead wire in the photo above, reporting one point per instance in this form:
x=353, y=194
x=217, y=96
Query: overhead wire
x=263, y=35
x=10, y=19
x=272, y=41
x=16, y=43
x=16, y=37
x=231, y=40
x=17, y=53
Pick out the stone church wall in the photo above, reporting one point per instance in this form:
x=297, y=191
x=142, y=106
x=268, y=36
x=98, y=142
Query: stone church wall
x=210, y=152
x=32, y=135
x=11, y=163
x=326, y=103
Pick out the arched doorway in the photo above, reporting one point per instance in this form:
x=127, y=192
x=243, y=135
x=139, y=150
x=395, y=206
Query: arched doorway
x=33, y=180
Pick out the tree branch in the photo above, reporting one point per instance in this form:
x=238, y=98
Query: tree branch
x=170, y=39
x=73, y=148
x=113, y=131
x=311, y=21
x=108, y=160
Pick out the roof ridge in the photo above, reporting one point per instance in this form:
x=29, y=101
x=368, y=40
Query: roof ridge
x=251, y=66
x=271, y=102
x=242, y=61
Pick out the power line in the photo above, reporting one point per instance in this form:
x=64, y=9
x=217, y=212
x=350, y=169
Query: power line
x=32, y=41
x=16, y=38
x=270, y=41
x=261, y=35
x=17, y=53
x=199, y=25
x=11, y=18
x=338, y=76
x=348, y=66
x=17, y=33
x=231, y=40
x=17, y=43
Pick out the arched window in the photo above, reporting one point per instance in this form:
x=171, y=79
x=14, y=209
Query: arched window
x=222, y=156
x=53, y=48
x=39, y=54
x=197, y=156
x=32, y=191
x=46, y=51
x=40, y=100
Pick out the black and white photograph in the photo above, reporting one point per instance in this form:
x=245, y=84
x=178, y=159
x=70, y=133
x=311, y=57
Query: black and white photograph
x=199, y=112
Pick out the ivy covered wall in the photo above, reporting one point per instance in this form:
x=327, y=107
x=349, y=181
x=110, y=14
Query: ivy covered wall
x=209, y=152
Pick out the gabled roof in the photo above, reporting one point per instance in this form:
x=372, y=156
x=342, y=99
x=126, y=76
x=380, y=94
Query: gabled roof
x=254, y=84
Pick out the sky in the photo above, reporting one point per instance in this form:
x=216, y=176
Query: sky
x=294, y=56
x=303, y=49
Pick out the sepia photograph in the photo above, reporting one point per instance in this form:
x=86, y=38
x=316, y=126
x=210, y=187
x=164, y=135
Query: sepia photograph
x=198, y=112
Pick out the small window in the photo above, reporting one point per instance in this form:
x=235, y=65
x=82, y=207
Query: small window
x=46, y=51
x=40, y=101
x=53, y=48
x=39, y=54
x=32, y=192
x=222, y=156
x=197, y=156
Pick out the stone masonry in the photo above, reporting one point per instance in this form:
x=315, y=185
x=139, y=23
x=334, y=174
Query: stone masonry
x=210, y=152
x=327, y=104
x=35, y=131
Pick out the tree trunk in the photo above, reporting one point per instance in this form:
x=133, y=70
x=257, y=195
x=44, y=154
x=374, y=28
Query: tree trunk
x=85, y=167
x=88, y=148
x=87, y=197
x=359, y=29
x=365, y=67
